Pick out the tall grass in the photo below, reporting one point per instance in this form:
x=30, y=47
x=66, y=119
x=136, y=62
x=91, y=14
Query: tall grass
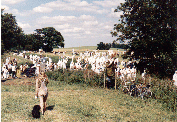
x=87, y=77
x=163, y=90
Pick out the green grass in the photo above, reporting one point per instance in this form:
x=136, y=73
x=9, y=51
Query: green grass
x=78, y=102
x=84, y=48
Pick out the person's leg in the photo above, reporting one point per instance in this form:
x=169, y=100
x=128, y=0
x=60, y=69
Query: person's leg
x=42, y=104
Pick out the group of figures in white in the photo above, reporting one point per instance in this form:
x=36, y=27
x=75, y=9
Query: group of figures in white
x=97, y=61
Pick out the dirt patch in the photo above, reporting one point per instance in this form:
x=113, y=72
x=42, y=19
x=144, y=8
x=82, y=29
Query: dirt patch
x=19, y=81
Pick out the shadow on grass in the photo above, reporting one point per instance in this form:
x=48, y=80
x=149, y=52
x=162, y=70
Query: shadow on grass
x=3, y=80
x=50, y=107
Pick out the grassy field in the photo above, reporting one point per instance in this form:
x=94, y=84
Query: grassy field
x=77, y=102
x=54, y=57
x=82, y=48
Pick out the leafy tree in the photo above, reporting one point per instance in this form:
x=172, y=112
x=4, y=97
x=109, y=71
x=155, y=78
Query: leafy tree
x=10, y=31
x=50, y=37
x=103, y=46
x=32, y=42
x=116, y=45
x=151, y=27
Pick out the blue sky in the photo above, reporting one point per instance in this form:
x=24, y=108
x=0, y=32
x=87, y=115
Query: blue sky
x=82, y=23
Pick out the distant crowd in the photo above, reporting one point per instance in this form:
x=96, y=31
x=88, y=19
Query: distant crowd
x=99, y=62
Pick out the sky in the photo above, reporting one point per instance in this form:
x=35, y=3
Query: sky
x=81, y=22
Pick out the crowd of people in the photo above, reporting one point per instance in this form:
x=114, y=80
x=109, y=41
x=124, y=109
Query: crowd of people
x=99, y=62
x=9, y=68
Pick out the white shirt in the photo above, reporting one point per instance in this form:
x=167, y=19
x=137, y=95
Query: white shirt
x=13, y=68
x=175, y=79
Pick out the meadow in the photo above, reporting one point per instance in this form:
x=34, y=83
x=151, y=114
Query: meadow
x=73, y=96
x=77, y=102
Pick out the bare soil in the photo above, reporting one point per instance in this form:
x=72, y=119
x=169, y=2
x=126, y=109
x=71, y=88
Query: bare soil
x=19, y=81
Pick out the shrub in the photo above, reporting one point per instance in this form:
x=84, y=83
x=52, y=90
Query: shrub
x=165, y=93
x=87, y=77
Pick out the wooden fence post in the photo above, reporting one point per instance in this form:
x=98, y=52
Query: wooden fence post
x=63, y=69
x=104, y=79
x=115, y=82
x=88, y=76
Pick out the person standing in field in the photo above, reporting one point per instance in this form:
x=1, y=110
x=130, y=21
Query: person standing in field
x=110, y=74
x=14, y=70
x=41, y=77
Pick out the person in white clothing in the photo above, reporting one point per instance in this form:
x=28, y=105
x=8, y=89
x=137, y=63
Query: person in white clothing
x=37, y=71
x=21, y=68
x=14, y=70
x=175, y=78
x=5, y=72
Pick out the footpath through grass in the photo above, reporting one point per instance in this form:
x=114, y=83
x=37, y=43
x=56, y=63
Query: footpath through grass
x=77, y=102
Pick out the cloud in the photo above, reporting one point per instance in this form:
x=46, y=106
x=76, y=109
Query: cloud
x=13, y=11
x=90, y=23
x=86, y=17
x=108, y=3
x=82, y=21
x=56, y=20
x=74, y=30
x=6, y=8
x=80, y=3
x=63, y=26
x=11, y=1
x=115, y=14
x=24, y=26
x=41, y=9
x=70, y=5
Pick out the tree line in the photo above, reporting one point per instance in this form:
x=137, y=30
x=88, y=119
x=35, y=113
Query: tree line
x=107, y=46
x=13, y=37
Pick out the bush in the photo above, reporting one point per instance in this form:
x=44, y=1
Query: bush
x=87, y=77
x=166, y=93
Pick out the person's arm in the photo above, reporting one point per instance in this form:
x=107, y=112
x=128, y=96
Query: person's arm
x=46, y=79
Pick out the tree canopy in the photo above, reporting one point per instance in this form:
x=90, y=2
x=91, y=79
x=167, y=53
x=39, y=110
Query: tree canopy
x=13, y=38
x=50, y=37
x=103, y=46
x=150, y=26
x=10, y=31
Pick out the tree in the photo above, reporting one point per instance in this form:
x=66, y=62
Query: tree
x=50, y=37
x=32, y=42
x=116, y=45
x=103, y=46
x=10, y=31
x=151, y=27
